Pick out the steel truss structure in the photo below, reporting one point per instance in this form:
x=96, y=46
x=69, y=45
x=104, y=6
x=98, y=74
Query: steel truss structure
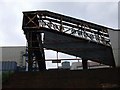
x=35, y=22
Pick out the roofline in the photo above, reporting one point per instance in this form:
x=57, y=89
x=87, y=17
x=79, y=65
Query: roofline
x=12, y=46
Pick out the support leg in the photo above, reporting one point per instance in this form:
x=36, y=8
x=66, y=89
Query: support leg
x=30, y=58
x=84, y=63
x=39, y=53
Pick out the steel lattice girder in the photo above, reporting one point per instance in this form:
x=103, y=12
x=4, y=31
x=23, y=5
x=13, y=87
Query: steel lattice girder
x=67, y=43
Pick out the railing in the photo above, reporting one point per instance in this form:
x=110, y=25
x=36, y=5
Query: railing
x=68, y=25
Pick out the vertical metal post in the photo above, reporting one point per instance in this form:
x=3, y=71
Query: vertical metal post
x=57, y=59
x=84, y=64
x=30, y=62
x=61, y=26
x=40, y=55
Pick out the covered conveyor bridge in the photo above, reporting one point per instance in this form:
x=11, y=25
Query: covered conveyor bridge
x=45, y=29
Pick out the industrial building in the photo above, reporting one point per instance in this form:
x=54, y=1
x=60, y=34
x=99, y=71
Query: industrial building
x=14, y=53
x=12, y=56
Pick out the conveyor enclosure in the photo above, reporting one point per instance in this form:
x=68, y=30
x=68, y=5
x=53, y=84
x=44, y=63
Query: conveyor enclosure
x=45, y=29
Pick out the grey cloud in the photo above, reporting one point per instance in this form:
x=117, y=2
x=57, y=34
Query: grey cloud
x=103, y=13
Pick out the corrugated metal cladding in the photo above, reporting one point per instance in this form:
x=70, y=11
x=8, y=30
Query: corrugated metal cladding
x=8, y=66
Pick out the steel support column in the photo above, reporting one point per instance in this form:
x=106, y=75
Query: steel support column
x=40, y=56
x=39, y=53
x=84, y=63
x=35, y=41
x=30, y=58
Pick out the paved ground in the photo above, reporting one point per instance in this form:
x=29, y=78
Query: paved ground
x=94, y=78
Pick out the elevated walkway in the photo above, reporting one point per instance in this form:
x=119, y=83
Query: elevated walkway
x=45, y=29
